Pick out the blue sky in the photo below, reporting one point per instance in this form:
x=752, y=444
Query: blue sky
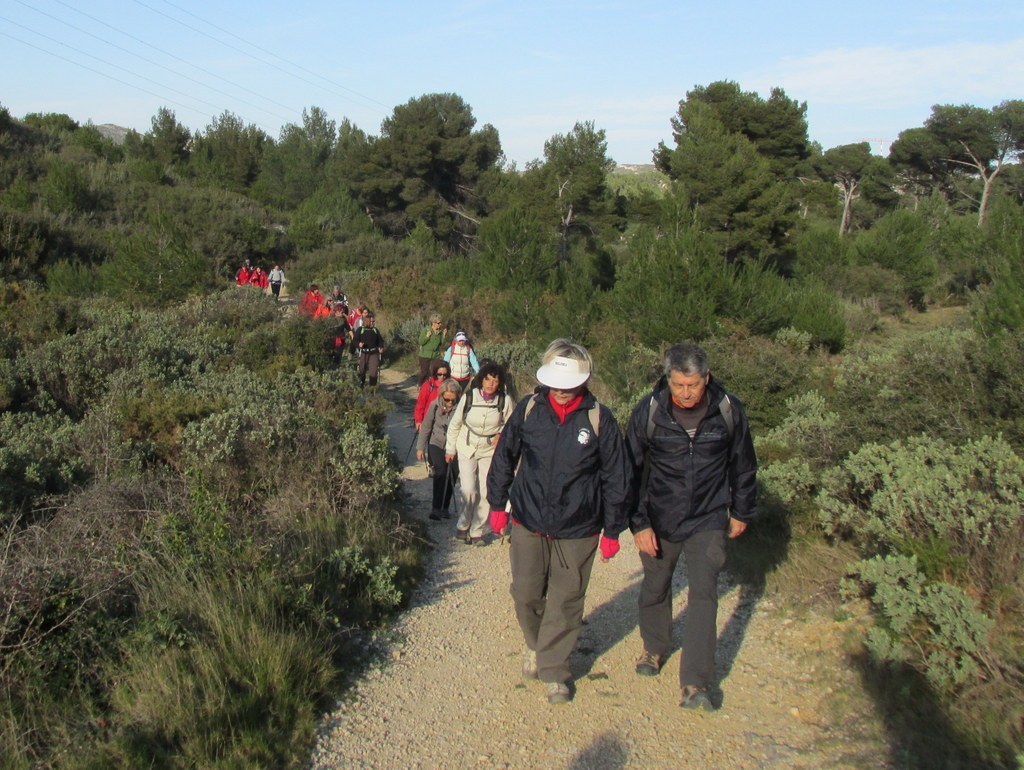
x=866, y=70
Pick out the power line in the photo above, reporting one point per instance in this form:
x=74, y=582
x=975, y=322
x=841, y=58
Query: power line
x=249, y=54
x=175, y=57
x=271, y=53
x=149, y=61
x=98, y=72
x=109, y=64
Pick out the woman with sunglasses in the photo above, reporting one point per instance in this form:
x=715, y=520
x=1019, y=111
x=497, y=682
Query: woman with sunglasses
x=439, y=372
x=430, y=444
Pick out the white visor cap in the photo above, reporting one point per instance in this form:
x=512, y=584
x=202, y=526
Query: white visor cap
x=563, y=373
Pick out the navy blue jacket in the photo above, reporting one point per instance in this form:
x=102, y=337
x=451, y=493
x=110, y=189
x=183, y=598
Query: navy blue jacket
x=693, y=485
x=570, y=483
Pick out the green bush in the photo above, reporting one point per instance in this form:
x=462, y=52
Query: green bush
x=933, y=627
x=907, y=385
x=956, y=507
x=899, y=242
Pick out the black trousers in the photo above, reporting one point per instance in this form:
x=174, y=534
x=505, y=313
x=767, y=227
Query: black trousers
x=446, y=476
x=705, y=557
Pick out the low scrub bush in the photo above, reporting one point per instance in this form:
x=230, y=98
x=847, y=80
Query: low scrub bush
x=939, y=526
x=957, y=507
x=932, y=626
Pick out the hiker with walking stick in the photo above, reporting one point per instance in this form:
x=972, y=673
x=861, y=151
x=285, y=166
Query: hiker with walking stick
x=430, y=446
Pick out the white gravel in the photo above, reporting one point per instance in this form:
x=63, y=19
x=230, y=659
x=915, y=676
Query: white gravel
x=450, y=694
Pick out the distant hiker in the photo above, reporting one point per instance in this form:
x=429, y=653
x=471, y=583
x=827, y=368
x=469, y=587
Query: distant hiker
x=472, y=436
x=258, y=278
x=431, y=342
x=431, y=437
x=323, y=310
x=338, y=338
x=439, y=372
x=244, y=274
x=311, y=301
x=276, y=279
x=337, y=296
x=462, y=358
x=571, y=486
x=369, y=346
x=694, y=484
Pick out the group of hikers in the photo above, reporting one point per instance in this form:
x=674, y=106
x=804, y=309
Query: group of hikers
x=555, y=474
x=258, y=278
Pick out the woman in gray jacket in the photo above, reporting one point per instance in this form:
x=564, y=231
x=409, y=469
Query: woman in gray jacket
x=430, y=446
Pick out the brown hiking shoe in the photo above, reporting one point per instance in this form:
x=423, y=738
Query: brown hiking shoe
x=648, y=664
x=696, y=699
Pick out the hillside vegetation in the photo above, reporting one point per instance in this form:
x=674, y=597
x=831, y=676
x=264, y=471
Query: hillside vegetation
x=200, y=512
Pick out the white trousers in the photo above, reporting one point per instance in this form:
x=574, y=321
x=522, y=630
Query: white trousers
x=473, y=485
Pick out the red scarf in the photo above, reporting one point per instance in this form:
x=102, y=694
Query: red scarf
x=563, y=411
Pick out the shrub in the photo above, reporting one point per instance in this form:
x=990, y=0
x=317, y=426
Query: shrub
x=909, y=385
x=933, y=627
x=956, y=507
x=793, y=454
x=899, y=242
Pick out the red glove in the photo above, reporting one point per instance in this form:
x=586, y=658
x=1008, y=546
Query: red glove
x=499, y=520
x=608, y=546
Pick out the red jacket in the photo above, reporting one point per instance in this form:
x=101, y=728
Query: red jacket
x=242, y=276
x=311, y=301
x=428, y=392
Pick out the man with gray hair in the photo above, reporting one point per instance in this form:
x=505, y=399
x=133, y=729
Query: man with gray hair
x=694, y=485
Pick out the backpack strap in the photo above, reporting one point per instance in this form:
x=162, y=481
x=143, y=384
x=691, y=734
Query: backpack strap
x=724, y=406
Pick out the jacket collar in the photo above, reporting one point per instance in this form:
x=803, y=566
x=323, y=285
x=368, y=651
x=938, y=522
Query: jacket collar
x=540, y=395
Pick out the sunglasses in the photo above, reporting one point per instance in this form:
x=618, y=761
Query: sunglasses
x=441, y=374
x=448, y=400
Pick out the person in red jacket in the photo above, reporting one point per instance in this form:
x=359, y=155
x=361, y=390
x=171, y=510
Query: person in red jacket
x=439, y=372
x=258, y=278
x=244, y=274
x=311, y=301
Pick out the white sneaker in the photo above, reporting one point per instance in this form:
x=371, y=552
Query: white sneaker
x=530, y=664
x=558, y=692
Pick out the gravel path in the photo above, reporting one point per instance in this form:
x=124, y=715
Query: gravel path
x=451, y=696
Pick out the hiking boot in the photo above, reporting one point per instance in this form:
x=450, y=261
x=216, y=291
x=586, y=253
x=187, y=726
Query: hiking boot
x=558, y=692
x=648, y=664
x=462, y=534
x=696, y=699
x=478, y=541
x=435, y=516
x=530, y=664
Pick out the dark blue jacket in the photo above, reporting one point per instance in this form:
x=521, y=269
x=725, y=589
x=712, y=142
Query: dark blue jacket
x=570, y=483
x=695, y=484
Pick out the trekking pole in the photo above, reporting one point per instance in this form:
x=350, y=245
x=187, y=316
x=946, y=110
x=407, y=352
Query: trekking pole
x=411, y=445
x=449, y=483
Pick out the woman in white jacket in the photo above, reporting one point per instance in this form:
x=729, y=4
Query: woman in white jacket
x=472, y=435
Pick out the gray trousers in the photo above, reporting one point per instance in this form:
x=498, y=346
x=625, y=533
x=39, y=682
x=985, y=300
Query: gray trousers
x=549, y=582
x=705, y=557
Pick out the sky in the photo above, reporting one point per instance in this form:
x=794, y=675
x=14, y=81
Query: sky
x=531, y=68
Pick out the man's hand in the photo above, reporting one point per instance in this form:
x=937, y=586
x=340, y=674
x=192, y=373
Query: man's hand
x=646, y=542
x=736, y=527
x=448, y=458
x=419, y=455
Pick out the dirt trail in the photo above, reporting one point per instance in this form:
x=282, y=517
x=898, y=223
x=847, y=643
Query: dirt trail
x=451, y=695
